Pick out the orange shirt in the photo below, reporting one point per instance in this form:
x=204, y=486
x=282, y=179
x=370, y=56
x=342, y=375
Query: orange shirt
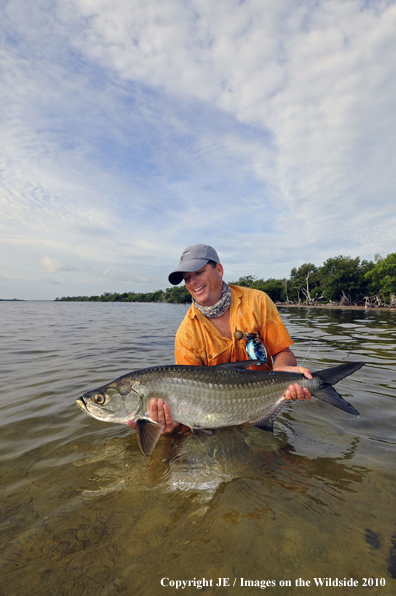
x=198, y=342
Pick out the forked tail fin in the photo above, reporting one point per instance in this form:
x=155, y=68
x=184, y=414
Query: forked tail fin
x=331, y=376
x=335, y=374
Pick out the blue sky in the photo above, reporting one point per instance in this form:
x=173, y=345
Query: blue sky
x=131, y=129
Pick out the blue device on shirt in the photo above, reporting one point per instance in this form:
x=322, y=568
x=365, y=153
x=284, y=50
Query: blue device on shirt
x=255, y=350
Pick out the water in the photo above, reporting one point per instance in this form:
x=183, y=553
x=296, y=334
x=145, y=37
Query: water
x=83, y=512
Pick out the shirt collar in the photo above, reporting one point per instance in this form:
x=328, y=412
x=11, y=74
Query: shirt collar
x=236, y=293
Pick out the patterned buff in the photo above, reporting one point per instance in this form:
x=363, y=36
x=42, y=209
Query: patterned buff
x=218, y=309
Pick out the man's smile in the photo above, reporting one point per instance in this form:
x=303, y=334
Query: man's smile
x=199, y=289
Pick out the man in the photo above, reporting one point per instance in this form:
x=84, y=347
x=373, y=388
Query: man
x=206, y=335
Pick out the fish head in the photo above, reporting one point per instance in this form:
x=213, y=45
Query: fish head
x=116, y=402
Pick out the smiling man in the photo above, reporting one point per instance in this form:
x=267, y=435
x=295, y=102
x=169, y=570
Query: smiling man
x=206, y=336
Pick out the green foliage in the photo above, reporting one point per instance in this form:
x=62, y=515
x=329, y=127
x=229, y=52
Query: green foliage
x=273, y=287
x=157, y=296
x=247, y=281
x=382, y=276
x=343, y=279
x=304, y=283
x=177, y=295
x=340, y=280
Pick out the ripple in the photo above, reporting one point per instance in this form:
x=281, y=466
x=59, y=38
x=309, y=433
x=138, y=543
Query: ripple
x=82, y=510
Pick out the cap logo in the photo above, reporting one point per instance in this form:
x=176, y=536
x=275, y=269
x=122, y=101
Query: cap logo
x=187, y=252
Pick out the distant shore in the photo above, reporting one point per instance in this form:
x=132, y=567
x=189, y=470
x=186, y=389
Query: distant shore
x=338, y=307
x=278, y=304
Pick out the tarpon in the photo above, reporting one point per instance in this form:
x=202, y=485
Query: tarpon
x=207, y=397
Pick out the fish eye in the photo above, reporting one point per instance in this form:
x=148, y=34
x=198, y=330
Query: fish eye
x=99, y=399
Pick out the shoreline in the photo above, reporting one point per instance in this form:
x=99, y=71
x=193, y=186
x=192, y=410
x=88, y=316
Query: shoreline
x=337, y=307
x=277, y=304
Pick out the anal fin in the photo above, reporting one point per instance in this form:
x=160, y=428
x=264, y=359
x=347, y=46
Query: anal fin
x=203, y=431
x=148, y=433
x=264, y=425
x=266, y=421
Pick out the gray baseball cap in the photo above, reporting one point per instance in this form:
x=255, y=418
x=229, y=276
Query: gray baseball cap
x=193, y=258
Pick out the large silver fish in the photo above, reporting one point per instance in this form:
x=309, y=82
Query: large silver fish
x=205, y=397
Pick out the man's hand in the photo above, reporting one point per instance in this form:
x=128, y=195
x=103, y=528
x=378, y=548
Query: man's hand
x=286, y=361
x=159, y=411
x=295, y=391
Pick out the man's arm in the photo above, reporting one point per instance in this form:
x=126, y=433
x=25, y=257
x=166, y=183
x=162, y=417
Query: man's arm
x=286, y=361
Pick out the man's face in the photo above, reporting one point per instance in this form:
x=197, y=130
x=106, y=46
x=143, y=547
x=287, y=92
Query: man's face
x=205, y=285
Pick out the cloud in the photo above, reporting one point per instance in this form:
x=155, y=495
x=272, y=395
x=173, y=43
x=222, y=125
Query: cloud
x=51, y=280
x=3, y=282
x=309, y=77
x=54, y=266
x=132, y=129
x=121, y=278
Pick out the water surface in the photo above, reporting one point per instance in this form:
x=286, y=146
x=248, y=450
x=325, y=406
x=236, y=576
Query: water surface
x=83, y=512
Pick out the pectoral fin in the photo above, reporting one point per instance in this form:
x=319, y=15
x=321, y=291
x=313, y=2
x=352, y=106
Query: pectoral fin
x=148, y=433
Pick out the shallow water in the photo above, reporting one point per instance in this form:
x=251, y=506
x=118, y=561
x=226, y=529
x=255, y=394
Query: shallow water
x=83, y=512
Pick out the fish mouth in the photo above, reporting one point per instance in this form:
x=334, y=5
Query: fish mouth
x=81, y=404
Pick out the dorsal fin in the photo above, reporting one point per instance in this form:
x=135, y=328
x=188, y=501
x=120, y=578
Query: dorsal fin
x=238, y=365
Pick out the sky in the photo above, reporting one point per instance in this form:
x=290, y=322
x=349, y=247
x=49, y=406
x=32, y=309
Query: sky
x=130, y=129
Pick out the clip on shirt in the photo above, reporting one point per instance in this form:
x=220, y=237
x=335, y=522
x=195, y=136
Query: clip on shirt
x=255, y=348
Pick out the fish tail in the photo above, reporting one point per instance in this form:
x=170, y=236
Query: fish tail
x=330, y=377
x=328, y=394
x=335, y=374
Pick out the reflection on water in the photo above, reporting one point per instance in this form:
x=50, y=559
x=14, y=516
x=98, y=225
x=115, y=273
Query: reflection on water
x=83, y=512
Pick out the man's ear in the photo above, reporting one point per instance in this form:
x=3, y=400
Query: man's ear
x=219, y=269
